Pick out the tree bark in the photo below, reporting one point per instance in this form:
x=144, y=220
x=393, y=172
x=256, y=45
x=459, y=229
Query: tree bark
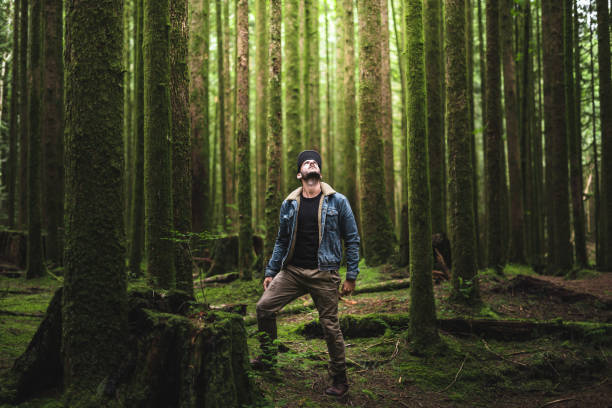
x=95, y=253
x=245, y=242
x=557, y=180
x=494, y=177
x=158, y=145
x=435, y=112
x=261, y=106
x=605, y=101
x=13, y=123
x=35, y=266
x=377, y=230
x=517, y=242
x=292, y=94
x=422, y=306
x=181, y=143
x=386, y=111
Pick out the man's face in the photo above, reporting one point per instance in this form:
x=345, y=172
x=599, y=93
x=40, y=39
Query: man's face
x=310, y=170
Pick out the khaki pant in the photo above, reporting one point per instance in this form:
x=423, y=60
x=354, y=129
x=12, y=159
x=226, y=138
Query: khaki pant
x=294, y=282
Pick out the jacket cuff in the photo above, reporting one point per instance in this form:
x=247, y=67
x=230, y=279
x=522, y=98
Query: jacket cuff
x=270, y=273
x=352, y=275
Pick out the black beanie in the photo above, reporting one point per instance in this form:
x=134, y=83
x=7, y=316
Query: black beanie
x=308, y=155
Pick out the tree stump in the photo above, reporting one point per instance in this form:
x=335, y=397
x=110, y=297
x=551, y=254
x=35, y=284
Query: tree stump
x=174, y=360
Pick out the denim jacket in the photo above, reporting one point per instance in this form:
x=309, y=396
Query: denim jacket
x=336, y=222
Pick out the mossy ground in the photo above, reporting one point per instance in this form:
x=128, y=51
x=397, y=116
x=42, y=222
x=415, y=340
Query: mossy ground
x=384, y=371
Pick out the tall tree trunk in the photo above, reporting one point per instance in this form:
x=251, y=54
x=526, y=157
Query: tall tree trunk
x=223, y=124
x=527, y=134
x=605, y=102
x=158, y=144
x=575, y=149
x=538, y=158
x=483, y=112
x=349, y=152
x=138, y=204
x=312, y=74
x=581, y=252
x=377, y=229
x=557, y=179
x=463, y=237
x=292, y=93
x=181, y=143
x=386, y=111
x=34, y=254
x=596, y=195
x=339, y=104
x=245, y=237
x=329, y=143
x=128, y=143
x=517, y=242
x=261, y=109
x=495, y=179
x=23, y=115
x=94, y=256
x=404, y=239
x=53, y=127
x=472, y=121
x=435, y=113
x=423, y=330
x=228, y=131
x=13, y=124
x=275, y=130
x=199, y=57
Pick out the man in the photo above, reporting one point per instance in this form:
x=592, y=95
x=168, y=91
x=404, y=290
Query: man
x=306, y=258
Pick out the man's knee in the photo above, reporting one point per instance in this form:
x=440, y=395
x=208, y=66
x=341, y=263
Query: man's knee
x=263, y=310
x=331, y=326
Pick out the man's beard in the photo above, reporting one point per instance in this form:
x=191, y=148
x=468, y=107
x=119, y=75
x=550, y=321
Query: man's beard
x=313, y=175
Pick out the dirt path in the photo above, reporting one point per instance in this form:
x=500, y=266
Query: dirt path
x=600, y=286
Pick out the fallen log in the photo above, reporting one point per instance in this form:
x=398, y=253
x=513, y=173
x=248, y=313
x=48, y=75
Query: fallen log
x=541, y=287
x=384, y=286
x=376, y=324
x=172, y=360
x=225, y=278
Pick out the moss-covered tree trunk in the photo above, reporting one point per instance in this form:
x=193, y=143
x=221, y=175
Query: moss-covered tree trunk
x=538, y=167
x=557, y=179
x=516, y=252
x=94, y=312
x=596, y=193
x=229, y=130
x=377, y=230
x=494, y=177
x=34, y=255
x=575, y=142
x=23, y=115
x=386, y=112
x=128, y=145
x=13, y=123
x=423, y=330
x=261, y=106
x=573, y=135
x=349, y=138
x=275, y=130
x=199, y=66
x=222, y=116
x=136, y=230
x=245, y=235
x=483, y=109
x=181, y=143
x=53, y=127
x=404, y=239
x=435, y=112
x=605, y=100
x=328, y=148
x=461, y=221
x=158, y=144
x=338, y=105
x=312, y=75
x=293, y=129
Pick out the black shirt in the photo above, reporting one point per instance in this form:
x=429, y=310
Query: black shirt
x=306, y=250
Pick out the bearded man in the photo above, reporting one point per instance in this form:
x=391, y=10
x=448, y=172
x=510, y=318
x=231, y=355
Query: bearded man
x=314, y=220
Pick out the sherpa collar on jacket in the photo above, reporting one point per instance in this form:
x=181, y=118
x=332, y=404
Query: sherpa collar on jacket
x=326, y=189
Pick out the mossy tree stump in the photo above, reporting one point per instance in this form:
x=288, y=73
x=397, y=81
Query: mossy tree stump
x=173, y=360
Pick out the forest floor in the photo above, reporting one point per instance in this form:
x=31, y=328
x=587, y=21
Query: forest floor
x=465, y=370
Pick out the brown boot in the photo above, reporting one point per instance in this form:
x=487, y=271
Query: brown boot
x=339, y=386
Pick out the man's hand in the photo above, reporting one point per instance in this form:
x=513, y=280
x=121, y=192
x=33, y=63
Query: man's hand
x=267, y=282
x=347, y=287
